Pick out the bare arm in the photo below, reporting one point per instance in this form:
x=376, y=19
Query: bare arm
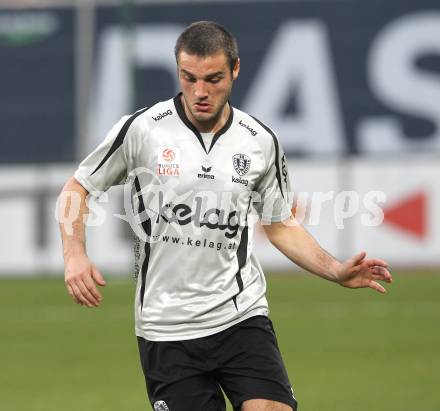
x=81, y=276
x=300, y=247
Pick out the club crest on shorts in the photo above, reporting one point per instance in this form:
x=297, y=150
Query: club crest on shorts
x=161, y=406
x=241, y=163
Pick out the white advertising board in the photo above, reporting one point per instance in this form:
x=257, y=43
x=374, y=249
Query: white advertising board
x=410, y=232
x=400, y=225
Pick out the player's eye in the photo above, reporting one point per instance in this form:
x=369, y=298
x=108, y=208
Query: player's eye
x=189, y=78
x=215, y=80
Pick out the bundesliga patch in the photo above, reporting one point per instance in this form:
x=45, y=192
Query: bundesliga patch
x=168, y=162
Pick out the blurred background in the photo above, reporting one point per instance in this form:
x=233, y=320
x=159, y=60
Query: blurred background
x=353, y=90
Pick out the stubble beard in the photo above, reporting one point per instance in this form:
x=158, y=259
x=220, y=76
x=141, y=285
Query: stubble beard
x=209, y=122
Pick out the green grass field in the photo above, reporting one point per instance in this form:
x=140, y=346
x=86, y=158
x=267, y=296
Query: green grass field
x=345, y=350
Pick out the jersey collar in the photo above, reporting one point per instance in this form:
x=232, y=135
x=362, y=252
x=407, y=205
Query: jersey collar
x=181, y=112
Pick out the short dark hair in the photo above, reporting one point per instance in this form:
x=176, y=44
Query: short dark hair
x=205, y=38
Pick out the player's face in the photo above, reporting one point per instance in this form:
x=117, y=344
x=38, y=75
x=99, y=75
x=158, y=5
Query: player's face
x=206, y=84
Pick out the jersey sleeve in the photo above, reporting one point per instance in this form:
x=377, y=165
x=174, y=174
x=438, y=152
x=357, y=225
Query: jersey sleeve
x=274, y=196
x=106, y=166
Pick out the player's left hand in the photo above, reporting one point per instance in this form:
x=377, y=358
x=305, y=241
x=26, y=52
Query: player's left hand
x=360, y=272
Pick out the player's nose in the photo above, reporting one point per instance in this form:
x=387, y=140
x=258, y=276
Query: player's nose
x=200, y=90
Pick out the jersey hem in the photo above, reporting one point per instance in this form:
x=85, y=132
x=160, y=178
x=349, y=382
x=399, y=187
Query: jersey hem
x=276, y=219
x=211, y=331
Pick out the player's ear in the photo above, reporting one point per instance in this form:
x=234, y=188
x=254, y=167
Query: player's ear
x=236, y=69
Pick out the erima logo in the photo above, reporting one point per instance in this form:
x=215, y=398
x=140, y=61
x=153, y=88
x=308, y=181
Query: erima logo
x=162, y=115
x=161, y=406
x=251, y=130
x=212, y=218
x=205, y=174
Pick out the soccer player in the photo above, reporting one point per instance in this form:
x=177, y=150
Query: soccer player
x=199, y=171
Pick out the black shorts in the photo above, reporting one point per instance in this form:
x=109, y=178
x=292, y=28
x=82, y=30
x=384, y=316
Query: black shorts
x=244, y=360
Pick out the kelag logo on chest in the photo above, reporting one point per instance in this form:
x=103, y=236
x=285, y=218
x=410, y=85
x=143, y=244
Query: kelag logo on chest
x=168, y=162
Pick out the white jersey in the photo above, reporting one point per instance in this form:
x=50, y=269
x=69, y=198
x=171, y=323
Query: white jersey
x=192, y=208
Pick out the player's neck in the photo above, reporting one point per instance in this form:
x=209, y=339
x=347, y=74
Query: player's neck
x=213, y=125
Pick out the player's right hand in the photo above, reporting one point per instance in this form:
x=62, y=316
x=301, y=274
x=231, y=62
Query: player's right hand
x=81, y=277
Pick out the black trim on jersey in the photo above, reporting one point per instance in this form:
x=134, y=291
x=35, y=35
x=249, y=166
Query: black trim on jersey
x=234, y=299
x=224, y=129
x=120, y=137
x=277, y=152
x=242, y=255
x=181, y=112
x=146, y=225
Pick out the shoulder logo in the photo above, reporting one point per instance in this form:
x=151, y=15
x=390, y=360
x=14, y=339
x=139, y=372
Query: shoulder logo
x=160, y=116
x=241, y=163
x=168, y=162
x=249, y=128
x=161, y=406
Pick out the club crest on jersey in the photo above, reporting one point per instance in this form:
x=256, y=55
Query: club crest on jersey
x=168, y=162
x=161, y=406
x=241, y=163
